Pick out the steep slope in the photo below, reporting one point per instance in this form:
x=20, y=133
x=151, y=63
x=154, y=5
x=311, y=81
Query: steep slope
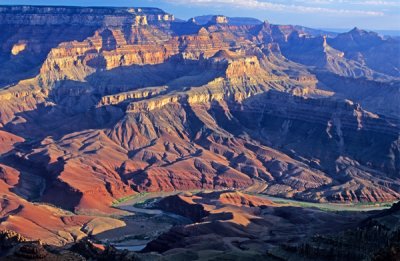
x=7, y=141
x=24, y=50
x=27, y=218
x=272, y=232
x=375, y=238
x=138, y=102
x=370, y=49
x=380, y=97
x=237, y=226
x=317, y=52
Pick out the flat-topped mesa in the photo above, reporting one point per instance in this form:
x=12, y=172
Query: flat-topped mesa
x=131, y=96
x=85, y=16
x=206, y=95
x=219, y=19
x=178, y=99
x=239, y=64
x=244, y=67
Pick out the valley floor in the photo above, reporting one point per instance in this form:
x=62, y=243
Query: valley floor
x=145, y=205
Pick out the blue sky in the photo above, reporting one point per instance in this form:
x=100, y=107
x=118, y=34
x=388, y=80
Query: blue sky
x=367, y=14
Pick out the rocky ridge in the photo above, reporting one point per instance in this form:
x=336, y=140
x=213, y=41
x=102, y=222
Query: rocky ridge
x=97, y=16
x=139, y=102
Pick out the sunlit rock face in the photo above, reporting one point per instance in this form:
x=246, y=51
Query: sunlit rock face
x=99, y=16
x=18, y=48
x=98, y=104
x=219, y=19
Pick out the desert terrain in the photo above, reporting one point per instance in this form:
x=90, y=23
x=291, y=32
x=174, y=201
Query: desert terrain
x=129, y=133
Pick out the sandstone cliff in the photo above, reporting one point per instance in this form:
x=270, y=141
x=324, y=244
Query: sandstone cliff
x=137, y=101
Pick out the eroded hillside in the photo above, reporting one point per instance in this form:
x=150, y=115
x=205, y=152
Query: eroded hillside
x=97, y=104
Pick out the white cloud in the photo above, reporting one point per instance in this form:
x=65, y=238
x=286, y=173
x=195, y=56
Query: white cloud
x=349, y=2
x=379, y=3
x=297, y=6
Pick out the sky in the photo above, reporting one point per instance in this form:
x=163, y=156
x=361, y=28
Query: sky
x=340, y=14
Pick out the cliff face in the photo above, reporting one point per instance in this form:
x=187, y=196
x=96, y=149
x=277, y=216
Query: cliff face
x=327, y=128
x=219, y=19
x=24, y=50
x=97, y=16
x=303, y=128
x=363, y=46
x=113, y=101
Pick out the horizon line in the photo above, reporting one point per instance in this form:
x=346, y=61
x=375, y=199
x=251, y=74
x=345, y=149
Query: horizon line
x=147, y=7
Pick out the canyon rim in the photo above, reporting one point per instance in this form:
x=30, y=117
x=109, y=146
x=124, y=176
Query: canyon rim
x=130, y=134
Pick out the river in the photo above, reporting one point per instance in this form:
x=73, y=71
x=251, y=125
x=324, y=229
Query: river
x=129, y=205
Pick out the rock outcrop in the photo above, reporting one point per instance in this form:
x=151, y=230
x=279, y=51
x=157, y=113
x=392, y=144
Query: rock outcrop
x=363, y=47
x=98, y=104
x=15, y=247
x=184, y=205
x=375, y=238
x=8, y=141
x=219, y=19
x=99, y=16
x=238, y=225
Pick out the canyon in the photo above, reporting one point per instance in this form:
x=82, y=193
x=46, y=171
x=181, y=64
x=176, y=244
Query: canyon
x=102, y=104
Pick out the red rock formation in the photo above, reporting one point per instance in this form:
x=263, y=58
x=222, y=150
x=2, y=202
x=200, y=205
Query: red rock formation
x=7, y=141
x=137, y=102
